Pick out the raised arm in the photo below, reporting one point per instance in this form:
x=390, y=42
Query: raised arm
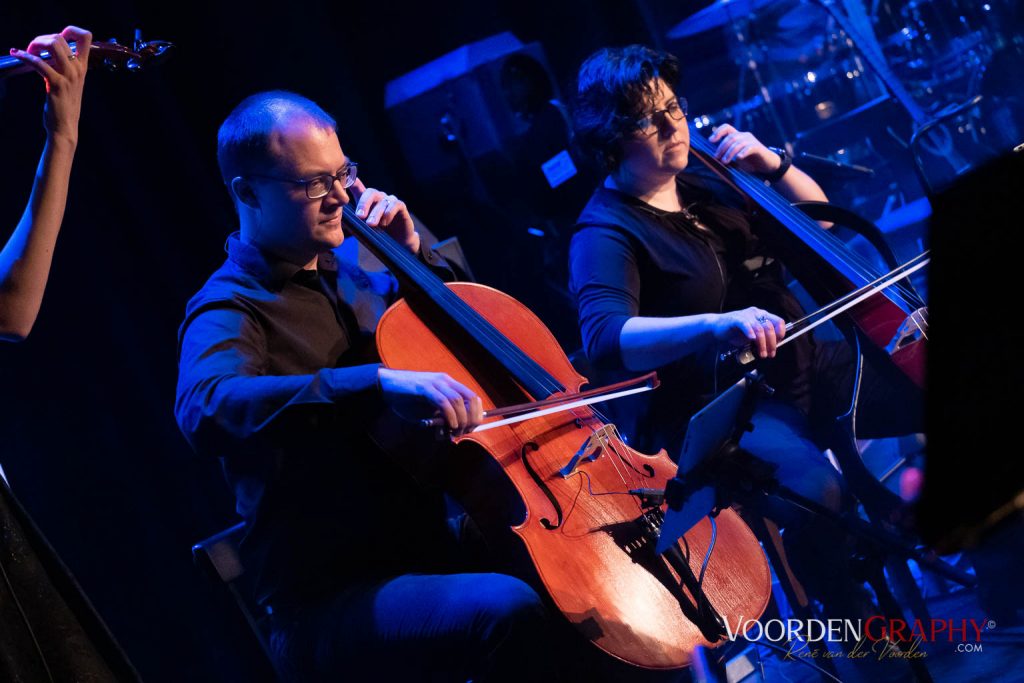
x=25, y=259
x=747, y=153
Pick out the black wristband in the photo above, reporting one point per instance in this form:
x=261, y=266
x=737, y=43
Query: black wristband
x=776, y=175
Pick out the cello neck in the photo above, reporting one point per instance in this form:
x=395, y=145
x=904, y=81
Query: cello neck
x=795, y=224
x=418, y=278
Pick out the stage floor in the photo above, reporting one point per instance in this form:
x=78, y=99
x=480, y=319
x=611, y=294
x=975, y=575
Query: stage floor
x=998, y=659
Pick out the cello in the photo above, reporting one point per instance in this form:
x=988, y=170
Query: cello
x=889, y=327
x=561, y=500
x=893, y=324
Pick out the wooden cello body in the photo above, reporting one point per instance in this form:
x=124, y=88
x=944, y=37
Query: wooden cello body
x=551, y=495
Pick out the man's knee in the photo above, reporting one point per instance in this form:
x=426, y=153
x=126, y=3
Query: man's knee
x=505, y=601
x=513, y=631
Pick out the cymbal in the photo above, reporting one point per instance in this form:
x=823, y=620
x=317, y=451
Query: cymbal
x=719, y=13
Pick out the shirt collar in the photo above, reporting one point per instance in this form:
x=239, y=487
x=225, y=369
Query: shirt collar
x=267, y=268
x=614, y=196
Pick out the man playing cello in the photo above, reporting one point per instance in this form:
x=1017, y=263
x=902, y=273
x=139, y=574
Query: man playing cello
x=352, y=556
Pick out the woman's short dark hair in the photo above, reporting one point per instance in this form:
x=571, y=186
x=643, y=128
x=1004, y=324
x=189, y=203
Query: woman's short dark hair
x=613, y=88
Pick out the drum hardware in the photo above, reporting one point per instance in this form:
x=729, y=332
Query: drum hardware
x=752, y=66
x=836, y=169
x=715, y=15
x=816, y=65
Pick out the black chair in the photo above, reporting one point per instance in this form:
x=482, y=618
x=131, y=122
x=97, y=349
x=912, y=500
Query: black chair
x=219, y=558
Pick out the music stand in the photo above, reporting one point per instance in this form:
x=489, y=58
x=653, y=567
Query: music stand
x=691, y=494
x=714, y=472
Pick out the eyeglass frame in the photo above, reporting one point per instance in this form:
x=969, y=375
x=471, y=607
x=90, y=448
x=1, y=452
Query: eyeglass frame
x=347, y=178
x=682, y=105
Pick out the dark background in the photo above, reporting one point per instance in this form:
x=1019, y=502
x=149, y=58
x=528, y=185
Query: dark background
x=87, y=435
x=89, y=442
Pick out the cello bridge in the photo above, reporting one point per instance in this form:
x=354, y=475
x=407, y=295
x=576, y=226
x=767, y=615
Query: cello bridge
x=591, y=449
x=913, y=328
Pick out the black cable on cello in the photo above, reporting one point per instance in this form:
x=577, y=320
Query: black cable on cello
x=524, y=368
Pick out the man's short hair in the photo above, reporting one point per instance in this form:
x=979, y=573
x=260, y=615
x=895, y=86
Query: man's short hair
x=613, y=88
x=242, y=141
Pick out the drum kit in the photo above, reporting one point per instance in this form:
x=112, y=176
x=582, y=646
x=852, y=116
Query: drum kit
x=807, y=65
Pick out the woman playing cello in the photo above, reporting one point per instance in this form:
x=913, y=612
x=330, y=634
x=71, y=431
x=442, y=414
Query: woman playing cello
x=667, y=268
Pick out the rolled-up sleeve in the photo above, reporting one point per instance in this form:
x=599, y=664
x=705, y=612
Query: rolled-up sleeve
x=606, y=283
x=223, y=392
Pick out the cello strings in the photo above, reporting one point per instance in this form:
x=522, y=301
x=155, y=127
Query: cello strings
x=814, y=235
x=841, y=301
x=810, y=230
x=862, y=294
x=633, y=482
x=828, y=242
x=827, y=311
x=594, y=516
x=627, y=457
x=802, y=224
x=523, y=367
x=473, y=323
x=608, y=450
x=603, y=516
x=462, y=314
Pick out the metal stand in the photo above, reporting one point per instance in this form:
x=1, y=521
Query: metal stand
x=737, y=476
x=754, y=68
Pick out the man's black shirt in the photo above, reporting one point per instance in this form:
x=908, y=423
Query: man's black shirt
x=275, y=379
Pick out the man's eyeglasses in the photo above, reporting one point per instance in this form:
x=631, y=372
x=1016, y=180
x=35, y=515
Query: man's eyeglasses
x=320, y=186
x=648, y=125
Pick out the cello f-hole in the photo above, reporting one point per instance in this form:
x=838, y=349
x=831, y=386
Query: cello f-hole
x=529, y=447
